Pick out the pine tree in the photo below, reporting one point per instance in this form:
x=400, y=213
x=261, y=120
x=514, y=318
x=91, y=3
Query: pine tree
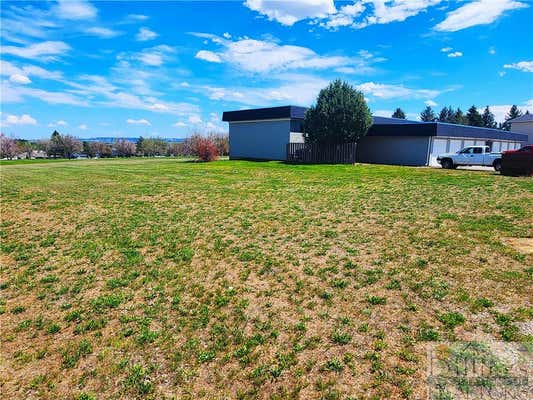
x=398, y=113
x=473, y=117
x=513, y=113
x=446, y=115
x=140, y=146
x=428, y=115
x=459, y=117
x=488, y=118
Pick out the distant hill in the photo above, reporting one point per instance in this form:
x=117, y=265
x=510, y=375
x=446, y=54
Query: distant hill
x=107, y=139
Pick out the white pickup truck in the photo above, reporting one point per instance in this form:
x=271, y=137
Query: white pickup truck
x=472, y=155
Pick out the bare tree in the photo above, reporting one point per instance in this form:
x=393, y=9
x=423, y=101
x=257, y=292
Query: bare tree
x=221, y=141
x=100, y=149
x=8, y=147
x=71, y=145
x=125, y=148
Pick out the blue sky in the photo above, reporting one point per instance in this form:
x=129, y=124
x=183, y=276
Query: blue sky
x=122, y=68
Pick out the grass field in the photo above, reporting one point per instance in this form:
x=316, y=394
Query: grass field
x=160, y=278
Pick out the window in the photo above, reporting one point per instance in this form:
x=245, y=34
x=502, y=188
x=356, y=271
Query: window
x=467, y=150
x=478, y=150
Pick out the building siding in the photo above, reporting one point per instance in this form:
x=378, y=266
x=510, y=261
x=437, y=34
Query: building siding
x=262, y=140
x=396, y=150
x=523, y=127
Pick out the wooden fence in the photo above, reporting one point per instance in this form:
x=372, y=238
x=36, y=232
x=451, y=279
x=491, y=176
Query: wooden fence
x=321, y=154
x=517, y=164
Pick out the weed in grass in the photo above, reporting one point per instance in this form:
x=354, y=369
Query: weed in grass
x=376, y=300
x=340, y=337
x=451, y=319
x=427, y=334
x=138, y=380
x=333, y=365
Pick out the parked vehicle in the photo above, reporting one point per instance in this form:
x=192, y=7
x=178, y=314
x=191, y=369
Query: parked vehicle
x=525, y=149
x=472, y=155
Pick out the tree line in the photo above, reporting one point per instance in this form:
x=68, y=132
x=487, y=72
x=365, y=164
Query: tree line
x=472, y=117
x=67, y=146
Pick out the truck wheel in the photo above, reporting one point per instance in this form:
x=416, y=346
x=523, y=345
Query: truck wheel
x=447, y=163
x=497, y=164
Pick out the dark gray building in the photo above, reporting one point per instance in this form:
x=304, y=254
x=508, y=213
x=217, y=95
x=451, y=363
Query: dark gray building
x=264, y=133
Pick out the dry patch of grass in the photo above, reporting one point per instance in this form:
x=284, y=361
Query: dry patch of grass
x=166, y=279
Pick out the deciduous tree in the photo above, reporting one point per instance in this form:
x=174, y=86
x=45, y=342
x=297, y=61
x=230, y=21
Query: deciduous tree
x=125, y=148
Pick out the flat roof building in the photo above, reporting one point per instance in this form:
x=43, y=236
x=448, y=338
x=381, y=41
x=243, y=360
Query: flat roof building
x=265, y=132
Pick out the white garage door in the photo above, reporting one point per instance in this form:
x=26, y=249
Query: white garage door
x=438, y=147
x=455, y=145
x=496, y=147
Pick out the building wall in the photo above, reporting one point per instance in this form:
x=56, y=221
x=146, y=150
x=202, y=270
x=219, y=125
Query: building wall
x=262, y=140
x=523, y=127
x=396, y=150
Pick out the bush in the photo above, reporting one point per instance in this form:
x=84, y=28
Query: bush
x=340, y=115
x=205, y=149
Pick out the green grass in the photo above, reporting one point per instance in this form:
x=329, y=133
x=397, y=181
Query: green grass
x=153, y=278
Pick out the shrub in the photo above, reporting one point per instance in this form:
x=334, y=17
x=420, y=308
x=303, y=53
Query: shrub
x=205, y=149
x=340, y=115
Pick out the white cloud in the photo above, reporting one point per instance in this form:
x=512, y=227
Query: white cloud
x=446, y=49
x=395, y=10
x=154, y=56
x=75, y=9
x=102, y=32
x=430, y=103
x=145, y=34
x=290, y=12
x=57, y=123
x=262, y=56
x=208, y=56
x=500, y=111
x=525, y=66
x=9, y=69
x=83, y=127
x=386, y=91
x=344, y=17
x=226, y=35
x=141, y=121
x=195, y=119
x=18, y=94
x=24, y=119
x=136, y=17
x=45, y=50
x=20, y=79
x=480, y=12
x=298, y=89
x=455, y=54
x=492, y=51
x=179, y=124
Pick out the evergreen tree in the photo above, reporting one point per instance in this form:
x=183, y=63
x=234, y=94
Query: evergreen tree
x=398, y=113
x=513, y=113
x=55, y=146
x=140, y=146
x=446, y=115
x=428, y=115
x=459, y=117
x=340, y=115
x=473, y=117
x=488, y=118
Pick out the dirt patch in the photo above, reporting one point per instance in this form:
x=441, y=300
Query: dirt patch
x=522, y=245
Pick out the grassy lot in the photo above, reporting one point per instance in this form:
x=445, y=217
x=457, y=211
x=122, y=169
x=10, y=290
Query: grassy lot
x=160, y=278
